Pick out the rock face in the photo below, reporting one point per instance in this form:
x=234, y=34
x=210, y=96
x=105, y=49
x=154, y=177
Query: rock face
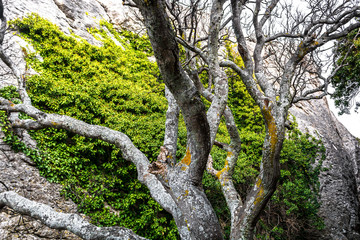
x=19, y=174
x=340, y=183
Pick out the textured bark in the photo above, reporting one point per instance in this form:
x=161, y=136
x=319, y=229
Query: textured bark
x=57, y=220
x=171, y=126
x=247, y=216
x=218, y=76
x=198, y=219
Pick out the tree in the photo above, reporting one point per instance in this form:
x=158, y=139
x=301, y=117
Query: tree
x=346, y=79
x=277, y=71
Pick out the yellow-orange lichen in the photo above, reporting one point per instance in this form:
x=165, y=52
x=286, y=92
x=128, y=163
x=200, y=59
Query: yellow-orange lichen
x=187, y=159
x=270, y=122
x=259, y=88
x=186, y=193
x=187, y=224
x=225, y=169
x=260, y=194
x=258, y=183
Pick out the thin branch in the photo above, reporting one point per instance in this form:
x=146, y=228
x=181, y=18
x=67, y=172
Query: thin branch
x=280, y=35
x=236, y=8
x=7, y=189
x=193, y=48
x=268, y=12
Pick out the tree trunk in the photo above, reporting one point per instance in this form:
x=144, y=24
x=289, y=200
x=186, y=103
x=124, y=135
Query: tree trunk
x=184, y=180
x=247, y=216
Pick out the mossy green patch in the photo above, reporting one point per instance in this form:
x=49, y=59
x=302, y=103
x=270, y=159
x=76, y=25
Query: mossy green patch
x=115, y=86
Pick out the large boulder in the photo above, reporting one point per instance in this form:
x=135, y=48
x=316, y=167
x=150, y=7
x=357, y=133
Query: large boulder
x=339, y=182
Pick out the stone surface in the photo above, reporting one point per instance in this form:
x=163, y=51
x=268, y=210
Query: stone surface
x=340, y=184
x=121, y=16
x=18, y=173
x=71, y=16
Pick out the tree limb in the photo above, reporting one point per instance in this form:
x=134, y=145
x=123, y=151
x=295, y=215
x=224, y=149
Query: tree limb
x=171, y=125
x=122, y=141
x=165, y=46
x=218, y=76
x=63, y=221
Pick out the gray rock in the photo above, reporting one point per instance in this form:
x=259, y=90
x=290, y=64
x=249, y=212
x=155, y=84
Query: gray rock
x=339, y=184
x=122, y=16
x=18, y=173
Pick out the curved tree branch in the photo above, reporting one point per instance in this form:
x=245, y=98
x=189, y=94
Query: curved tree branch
x=122, y=141
x=236, y=8
x=63, y=221
x=193, y=49
x=165, y=46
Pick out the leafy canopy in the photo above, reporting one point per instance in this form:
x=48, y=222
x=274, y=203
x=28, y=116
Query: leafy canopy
x=347, y=80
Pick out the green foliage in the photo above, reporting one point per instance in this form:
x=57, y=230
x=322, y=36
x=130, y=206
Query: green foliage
x=113, y=86
x=116, y=86
x=347, y=80
x=297, y=194
x=10, y=93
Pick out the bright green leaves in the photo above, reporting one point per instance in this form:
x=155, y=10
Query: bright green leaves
x=301, y=160
x=10, y=93
x=116, y=86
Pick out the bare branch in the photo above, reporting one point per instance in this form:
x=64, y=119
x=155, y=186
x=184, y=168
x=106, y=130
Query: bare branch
x=7, y=60
x=268, y=12
x=62, y=221
x=7, y=189
x=280, y=35
x=248, y=80
x=236, y=8
x=129, y=151
x=307, y=97
x=27, y=124
x=193, y=48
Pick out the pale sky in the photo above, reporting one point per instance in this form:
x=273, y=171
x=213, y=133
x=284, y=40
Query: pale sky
x=351, y=122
